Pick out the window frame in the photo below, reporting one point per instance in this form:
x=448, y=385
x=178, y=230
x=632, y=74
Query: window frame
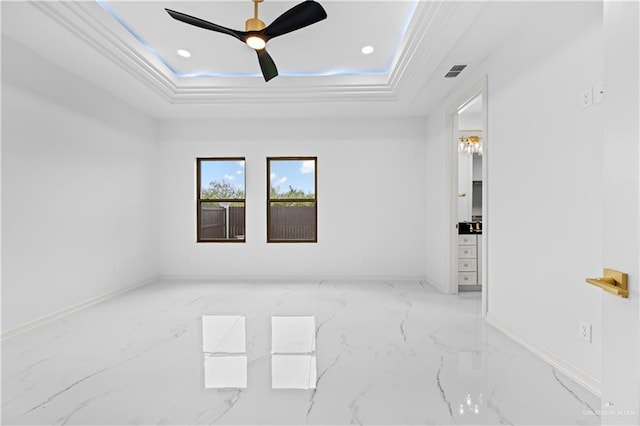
x=200, y=200
x=313, y=200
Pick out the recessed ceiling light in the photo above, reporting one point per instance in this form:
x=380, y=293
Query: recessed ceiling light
x=367, y=50
x=184, y=53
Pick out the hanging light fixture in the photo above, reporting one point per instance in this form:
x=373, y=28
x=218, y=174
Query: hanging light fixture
x=470, y=144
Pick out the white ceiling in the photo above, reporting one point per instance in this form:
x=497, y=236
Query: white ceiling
x=300, y=53
x=129, y=49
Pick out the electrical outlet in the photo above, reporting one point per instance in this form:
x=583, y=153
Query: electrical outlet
x=586, y=98
x=584, y=331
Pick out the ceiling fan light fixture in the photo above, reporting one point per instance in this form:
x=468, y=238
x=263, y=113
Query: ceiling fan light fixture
x=257, y=34
x=256, y=42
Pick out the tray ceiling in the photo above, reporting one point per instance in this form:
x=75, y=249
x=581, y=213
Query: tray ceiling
x=129, y=48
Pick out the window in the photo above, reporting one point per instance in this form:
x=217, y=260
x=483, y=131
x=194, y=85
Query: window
x=292, y=204
x=221, y=200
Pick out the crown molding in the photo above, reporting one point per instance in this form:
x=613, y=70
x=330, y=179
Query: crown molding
x=427, y=20
x=79, y=19
x=94, y=26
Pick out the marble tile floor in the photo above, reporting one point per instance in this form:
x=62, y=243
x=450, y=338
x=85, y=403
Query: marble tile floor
x=389, y=353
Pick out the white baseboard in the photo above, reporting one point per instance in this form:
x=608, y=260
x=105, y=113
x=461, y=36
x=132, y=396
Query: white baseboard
x=588, y=381
x=438, y=286
x=288, y=278
x=67, y=311
x=266, y=278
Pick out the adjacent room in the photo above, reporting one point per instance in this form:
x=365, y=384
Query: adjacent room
x=320, y=212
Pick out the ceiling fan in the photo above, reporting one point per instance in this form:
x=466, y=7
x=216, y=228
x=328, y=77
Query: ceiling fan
x=257, y=33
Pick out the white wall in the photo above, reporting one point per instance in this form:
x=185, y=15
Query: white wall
x=436, y=214
x=544, y=185
x=371, y=198
x=78, y=190
x=621, y=195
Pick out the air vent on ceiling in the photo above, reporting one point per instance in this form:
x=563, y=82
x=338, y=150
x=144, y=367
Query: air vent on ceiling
x=455, y=71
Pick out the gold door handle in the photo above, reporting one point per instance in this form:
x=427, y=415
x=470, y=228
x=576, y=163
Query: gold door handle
x=613, y=282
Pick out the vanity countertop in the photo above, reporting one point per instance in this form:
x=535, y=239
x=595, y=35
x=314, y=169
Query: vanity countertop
x=465, y=228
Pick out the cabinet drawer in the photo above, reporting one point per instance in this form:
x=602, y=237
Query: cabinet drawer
x=467, y=240
x=467, y=265
x=467, y=278
x=467, y=252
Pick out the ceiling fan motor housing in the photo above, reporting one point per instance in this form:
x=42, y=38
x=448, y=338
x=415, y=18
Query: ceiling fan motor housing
x=254, y=24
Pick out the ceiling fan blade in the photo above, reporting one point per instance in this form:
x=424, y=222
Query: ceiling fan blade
x=301, y=15
x=267, y=65
x=192, y=20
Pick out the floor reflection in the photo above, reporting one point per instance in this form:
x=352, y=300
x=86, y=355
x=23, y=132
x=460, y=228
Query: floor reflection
x=293, y=371
x=330, y=353
x=224, y=347
x=471, y=406
x=225, y=371
x=293, y=346
x=293, y=335
x=223, y=334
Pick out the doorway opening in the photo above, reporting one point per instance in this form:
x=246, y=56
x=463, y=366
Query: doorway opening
x=468, y=207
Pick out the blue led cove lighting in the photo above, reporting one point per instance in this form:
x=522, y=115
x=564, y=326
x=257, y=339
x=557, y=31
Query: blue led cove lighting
x=200, y=74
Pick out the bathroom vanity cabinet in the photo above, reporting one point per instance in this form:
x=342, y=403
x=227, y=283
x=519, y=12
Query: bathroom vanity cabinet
x=469, y=259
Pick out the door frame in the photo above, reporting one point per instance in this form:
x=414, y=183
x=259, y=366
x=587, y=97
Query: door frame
x=479, y=88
